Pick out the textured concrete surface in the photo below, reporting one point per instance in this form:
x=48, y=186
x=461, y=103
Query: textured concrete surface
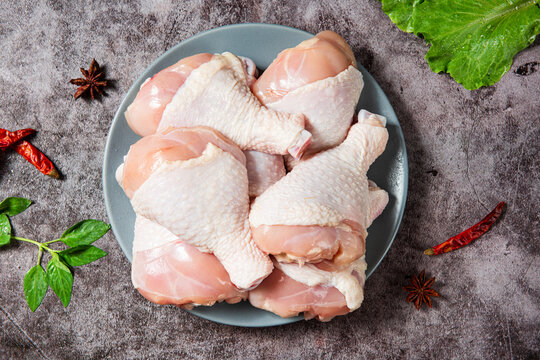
x=467, y=151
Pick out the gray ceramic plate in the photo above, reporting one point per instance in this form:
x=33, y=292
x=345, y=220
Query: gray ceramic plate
x=260, y=42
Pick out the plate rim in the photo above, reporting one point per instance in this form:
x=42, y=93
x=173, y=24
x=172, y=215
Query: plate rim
x=144, y=75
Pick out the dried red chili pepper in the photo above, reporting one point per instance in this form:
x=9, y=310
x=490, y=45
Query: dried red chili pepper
x=468, y=235
x=8, y=138
x=36, y=158
x=29, y=151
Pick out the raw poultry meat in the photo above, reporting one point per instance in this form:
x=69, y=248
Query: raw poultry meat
x=150, y=152
x=322, y=56
x=263, y=170
x=167, y=270
x=251, y=70
x=294, y=243
x=193, y=182
x=144, y=113
x=322, y=208
x=213, y=137
x=322, y=290
x=317, y=78
x=217, y=95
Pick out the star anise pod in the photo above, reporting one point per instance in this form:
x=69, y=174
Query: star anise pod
x=420, y=291
x=92, y=82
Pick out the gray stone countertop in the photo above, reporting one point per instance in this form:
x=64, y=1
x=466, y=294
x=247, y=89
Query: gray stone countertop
x=467, y=150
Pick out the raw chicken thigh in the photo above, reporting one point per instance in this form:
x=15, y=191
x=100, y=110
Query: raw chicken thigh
x=166, y=270
x=263, y=170
x=144, y=113
x=322, y=290
x=317, y=78
x=194, y=183
x=217, y=95
x=322, y=208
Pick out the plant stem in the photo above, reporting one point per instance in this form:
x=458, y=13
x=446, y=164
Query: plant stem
x=26, y=240
x=40, y=245
x=39, y=255
x=50, y=242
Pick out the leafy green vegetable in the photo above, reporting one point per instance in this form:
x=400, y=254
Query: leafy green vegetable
x=58, y=276
x=35, y=286
x=84, y=232
x=60, y=279
x=12, y=206
x=401, y=12
x=5, y=230
x=81, y=255
x=473, y=41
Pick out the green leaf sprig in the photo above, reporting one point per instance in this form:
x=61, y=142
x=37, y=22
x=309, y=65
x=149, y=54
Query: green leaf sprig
x=473, y=41
x=58, y=276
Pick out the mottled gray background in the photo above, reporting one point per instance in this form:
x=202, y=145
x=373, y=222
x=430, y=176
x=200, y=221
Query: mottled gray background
x=467, y=151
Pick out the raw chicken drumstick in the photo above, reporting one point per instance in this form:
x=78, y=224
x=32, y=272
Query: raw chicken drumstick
x=166, y=270
x=322, y=208
x=322, y=290
x=317, y=78
x=144, y=113
x=217, y=95
x=194, y=183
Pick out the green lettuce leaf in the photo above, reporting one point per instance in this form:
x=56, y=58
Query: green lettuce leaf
x=401, y=12
x=474, y=41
